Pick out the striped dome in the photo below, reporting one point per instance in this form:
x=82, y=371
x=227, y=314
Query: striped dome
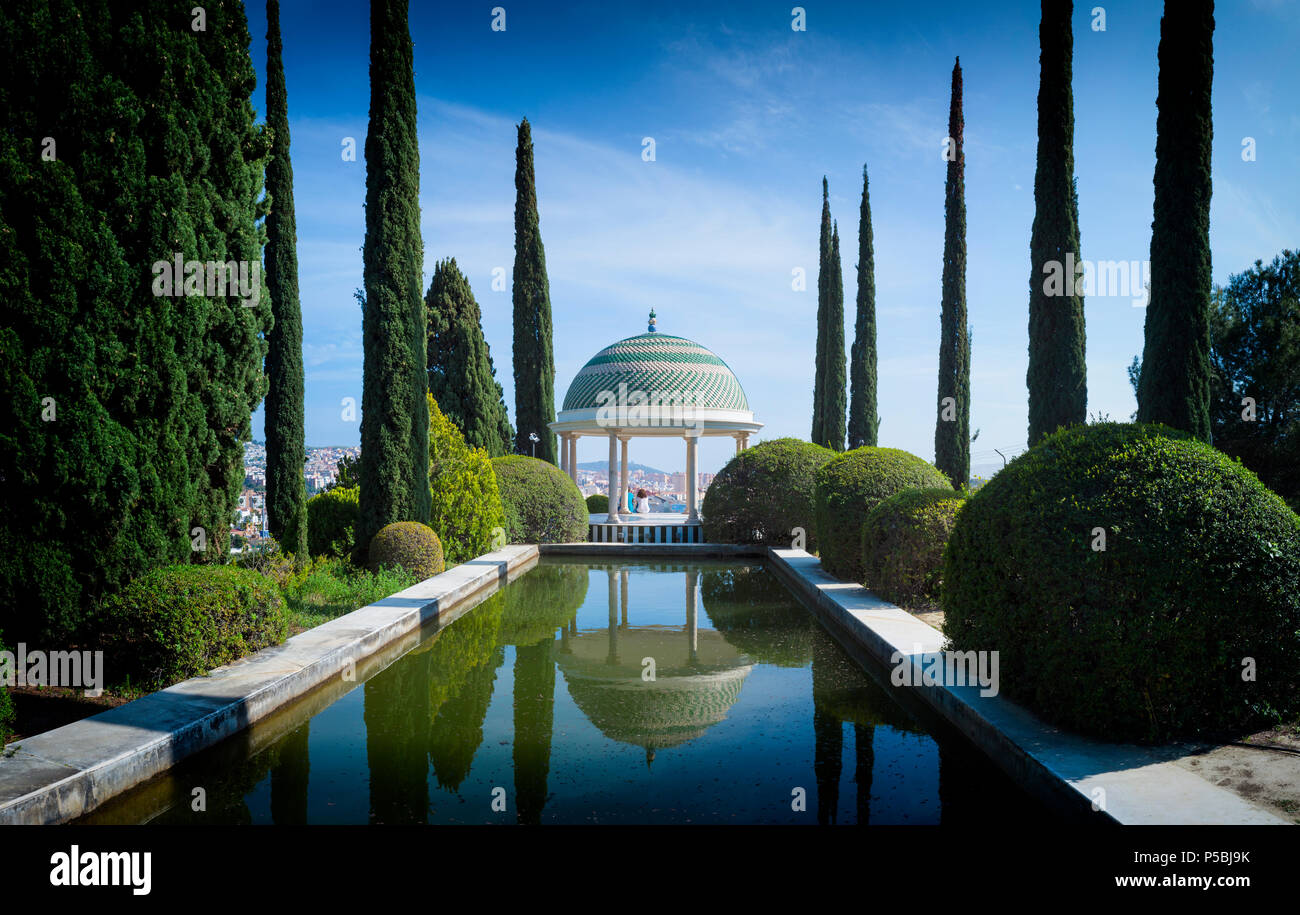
x=657, y=362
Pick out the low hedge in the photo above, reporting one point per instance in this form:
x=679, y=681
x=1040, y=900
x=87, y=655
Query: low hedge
x=902, y=545
x=597, y=502
x=542, y=505
x=1155, y=636
x=6, y=709
x=849, y=486
x=407, y=545
x=466, y=504
x=764, y=492
x=178, y=622
x=332, y=518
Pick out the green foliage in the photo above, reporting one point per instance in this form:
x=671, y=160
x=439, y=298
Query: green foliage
x=407, y=545
x=347, y=473
x=181, y=621
x=542, y=505
x=534, y=361
x=598, y=502
x=1143, y=640
x=462, y=378
x=902, y=545
x=1174, y=387
x=541, y=602
x=952, y=436
x=329, y=587
x=848, y=487
x=332, y=519
x=285, y=569
x=157, y=155
x=835, y=384
x=825, y=268
x=1057, y=375
x=764, y=492
x=756, y=615
x=394, y=417
x=7, y=714
x=864, y=417
x=466, y=503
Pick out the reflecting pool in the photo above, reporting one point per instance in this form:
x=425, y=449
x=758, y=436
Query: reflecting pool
x=590, y=692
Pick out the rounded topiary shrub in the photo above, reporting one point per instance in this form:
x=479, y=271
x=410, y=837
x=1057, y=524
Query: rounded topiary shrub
x=597, y=502
x=764, y=493
x=466, y=505
x=902, y=545
x=407, y=545
x=542, y=505
x=332, y=518
x=181, y=621
x=1124, y=573
x=849, y=486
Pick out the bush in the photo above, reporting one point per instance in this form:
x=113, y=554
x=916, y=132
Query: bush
x=466, y=503
x=332, y=518
x=331, y=587
x=181, y=621
x=764, y=492
x=1143, y=640
x=849, y=486
x=902, y=545
x=542, y=505
x=6, y=709
x=283, y=568
x=407, y=545
x=597, y=502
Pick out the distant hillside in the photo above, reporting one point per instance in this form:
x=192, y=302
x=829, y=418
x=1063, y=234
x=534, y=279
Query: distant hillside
x=604, y=465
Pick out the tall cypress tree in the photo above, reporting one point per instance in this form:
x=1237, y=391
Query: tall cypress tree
x=864, y=418
x=1057, y=375
x=1174, y=386
x=462, y=378
x=835, y=385
x=952, y=436
x=286, y=491
x=394, y=465
x=823, y=286
x=534, y=361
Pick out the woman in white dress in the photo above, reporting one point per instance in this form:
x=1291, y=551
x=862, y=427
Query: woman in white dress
x=642, y=501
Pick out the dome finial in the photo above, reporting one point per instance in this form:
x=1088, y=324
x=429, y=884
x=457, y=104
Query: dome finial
x=651, y=328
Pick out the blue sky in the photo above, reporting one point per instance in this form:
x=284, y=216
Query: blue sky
x=747, y=115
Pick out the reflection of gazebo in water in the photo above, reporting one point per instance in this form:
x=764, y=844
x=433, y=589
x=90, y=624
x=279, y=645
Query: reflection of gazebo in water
x=698, y=675
x=655, y=385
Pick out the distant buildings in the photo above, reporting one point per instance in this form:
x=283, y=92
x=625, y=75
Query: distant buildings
x=318, y=472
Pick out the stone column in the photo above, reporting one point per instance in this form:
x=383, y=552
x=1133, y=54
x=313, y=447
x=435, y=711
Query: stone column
x=739, y=447
x=564, y=451
x=573, y=457
x=613, y=477
x=623, y=473
x=692, y=496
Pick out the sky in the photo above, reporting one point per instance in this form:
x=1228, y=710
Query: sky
x=747, y=115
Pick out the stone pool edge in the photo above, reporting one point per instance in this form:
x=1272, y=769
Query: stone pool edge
x=59, y=775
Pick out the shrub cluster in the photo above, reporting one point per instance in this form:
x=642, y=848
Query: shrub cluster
x=407, y=545
x=6, y=709
x=902, y=545
x=1150, y=633
x=332, y=518
x=542, y=505
x=466, y=504
x=848, y=487
x=597, y=502
x=764, y=492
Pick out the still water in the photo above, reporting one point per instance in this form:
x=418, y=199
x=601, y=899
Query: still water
x=589, y=692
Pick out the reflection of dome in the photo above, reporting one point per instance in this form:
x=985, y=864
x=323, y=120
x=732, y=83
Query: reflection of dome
x=684, y=699
x=657, y=362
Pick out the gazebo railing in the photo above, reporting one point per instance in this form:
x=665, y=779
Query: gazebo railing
x=604, y=532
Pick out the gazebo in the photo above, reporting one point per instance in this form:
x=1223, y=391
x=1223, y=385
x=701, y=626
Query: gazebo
x=651, y=385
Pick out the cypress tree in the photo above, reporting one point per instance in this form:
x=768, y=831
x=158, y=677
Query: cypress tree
x=952, y=436
x=835, y=385
x=462, y=378
x=534, y=362
x=818, y=435
x=1057, y=375
x=286, y=491
x=1174, y=385
x=394, y=409
x=864, y=418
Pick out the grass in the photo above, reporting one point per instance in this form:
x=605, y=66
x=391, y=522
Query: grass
x=333, y=587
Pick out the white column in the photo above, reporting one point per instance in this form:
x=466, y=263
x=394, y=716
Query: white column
x=613, y=477
x=622, y=478
x=564, y=450
x=573, y=456
x=692, y=455
x=738, y=446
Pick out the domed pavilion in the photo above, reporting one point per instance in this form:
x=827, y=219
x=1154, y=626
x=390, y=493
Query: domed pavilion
x=656, y=385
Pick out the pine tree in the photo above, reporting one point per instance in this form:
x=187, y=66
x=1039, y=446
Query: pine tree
x=394, y=411
x=462, y=378
x=835, y=385
x=952, y=435
x=534, y=362
x=864, y=418
x=823, y=286
x=1174, y=386
x=286, y=490
x=1057, y=375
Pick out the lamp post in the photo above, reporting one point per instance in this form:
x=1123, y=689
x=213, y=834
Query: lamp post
x=532, y=437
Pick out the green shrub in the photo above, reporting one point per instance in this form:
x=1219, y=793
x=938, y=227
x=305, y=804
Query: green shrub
x=466, y=503
x=331, y=587
x=283, y=568
x=6, y=709
x=407, y=545
x=597, y=503
x=542, y=505
x=849, y=486
x=181, y=621
x=1144, y=640
x=764, y=492
x=902, y=545
x=332, y=518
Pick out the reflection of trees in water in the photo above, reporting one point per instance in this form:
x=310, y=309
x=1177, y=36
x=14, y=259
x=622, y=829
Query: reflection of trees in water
x=828, y=732
x=534, y=716
x=457, y=730
x=756, y=614
x=289, y=778
x=397, y=720
x=542, y=601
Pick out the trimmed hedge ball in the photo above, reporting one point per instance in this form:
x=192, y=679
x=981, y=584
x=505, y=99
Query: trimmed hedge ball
x=542, y=505
x=597, y=502
x=332, y=518
x=764, y=493
x=407, y=545
x=902, y=545
x=1125, y=574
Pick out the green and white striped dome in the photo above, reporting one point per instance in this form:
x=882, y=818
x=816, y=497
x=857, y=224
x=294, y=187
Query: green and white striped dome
x=657, y=362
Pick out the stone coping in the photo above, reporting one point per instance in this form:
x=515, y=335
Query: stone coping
x=1136, y=784
x=62, y=774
